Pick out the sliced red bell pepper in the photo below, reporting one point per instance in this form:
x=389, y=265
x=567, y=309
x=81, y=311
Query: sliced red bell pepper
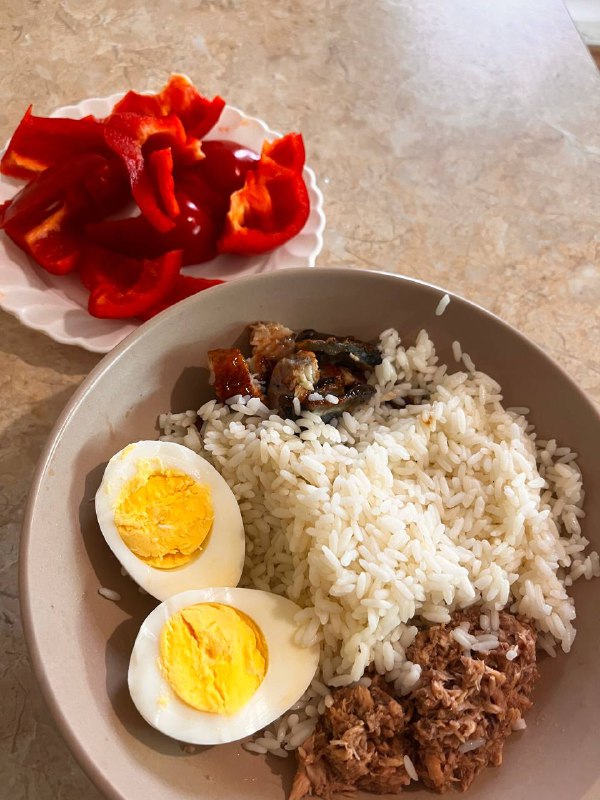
x=97, y=266
x=43, y=218
x=185, y=286
x=223, y=167
x=131, y=136
x=40, y=142
x=157, y=279
x=272, y=206
x=197, y=113
x=54, y=243
x=147, y=105
x=191, y=181
x=161, y=170
x=42, y=193
x=287, y=151
x=133, y=236
x=195, y=234
x=3, y=211
x=105, y=190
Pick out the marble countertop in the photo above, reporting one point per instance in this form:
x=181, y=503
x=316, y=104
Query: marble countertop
x=455, y=142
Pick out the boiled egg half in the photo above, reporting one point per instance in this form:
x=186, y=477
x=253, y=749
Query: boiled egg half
x=170, y=519
x=214, y=665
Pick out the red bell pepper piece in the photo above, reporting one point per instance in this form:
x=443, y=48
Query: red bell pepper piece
x=132, y=236
x=42, y=218
x=105, y=190
x=147, y=105
x=196, y=231
x=197, y=113
x=53, y=243
x=161, y=169
x=272, y=206
x=223, y=167
x=190, y=180
x=185, y=286
x=157, y=279
x=131, y=136
x=195, y=234
x=288, y=151
x=97, y=267
x=41, y=194
x=40, y=142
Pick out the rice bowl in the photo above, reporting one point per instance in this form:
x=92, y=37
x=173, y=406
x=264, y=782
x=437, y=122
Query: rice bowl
x=159, y=369
x=391, y=515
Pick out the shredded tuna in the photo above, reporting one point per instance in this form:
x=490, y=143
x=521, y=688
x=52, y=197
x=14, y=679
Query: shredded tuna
x=462, y=699
x=359, y=743
x=452, y=725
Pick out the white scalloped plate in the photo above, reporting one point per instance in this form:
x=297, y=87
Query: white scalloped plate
x=57, y=306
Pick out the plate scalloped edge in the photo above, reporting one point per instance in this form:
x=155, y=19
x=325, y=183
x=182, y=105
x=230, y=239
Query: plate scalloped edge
x=56, y=306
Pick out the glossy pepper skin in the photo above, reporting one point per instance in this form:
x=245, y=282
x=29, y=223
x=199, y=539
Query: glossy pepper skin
x=272, y=206
x=42, y=142
x=185, y=286
x=130, y=136
x=194, y=234
x=90, y=181
x=161, y=172
x=224, y=166
x=197, y=113
x=288, y=152
x=157, y=278
x=98, y=267
x=46, y=216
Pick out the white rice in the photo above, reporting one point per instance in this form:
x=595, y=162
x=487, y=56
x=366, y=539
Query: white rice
x=473, y=744
x=410, y=767
x=109, y=594
x=442, y=305
x=478, y=644
x=390, y=514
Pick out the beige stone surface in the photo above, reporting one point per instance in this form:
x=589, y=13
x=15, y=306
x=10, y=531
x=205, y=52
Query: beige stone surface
x=455, y=142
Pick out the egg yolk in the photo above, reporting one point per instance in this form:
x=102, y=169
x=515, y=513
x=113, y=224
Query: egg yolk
x=213, y=656
x=164, y=516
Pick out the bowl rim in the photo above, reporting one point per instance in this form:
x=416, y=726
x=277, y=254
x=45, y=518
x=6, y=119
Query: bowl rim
x=98, y=777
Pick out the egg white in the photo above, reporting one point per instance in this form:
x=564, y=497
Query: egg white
x=221, y=559
x=290, y=669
